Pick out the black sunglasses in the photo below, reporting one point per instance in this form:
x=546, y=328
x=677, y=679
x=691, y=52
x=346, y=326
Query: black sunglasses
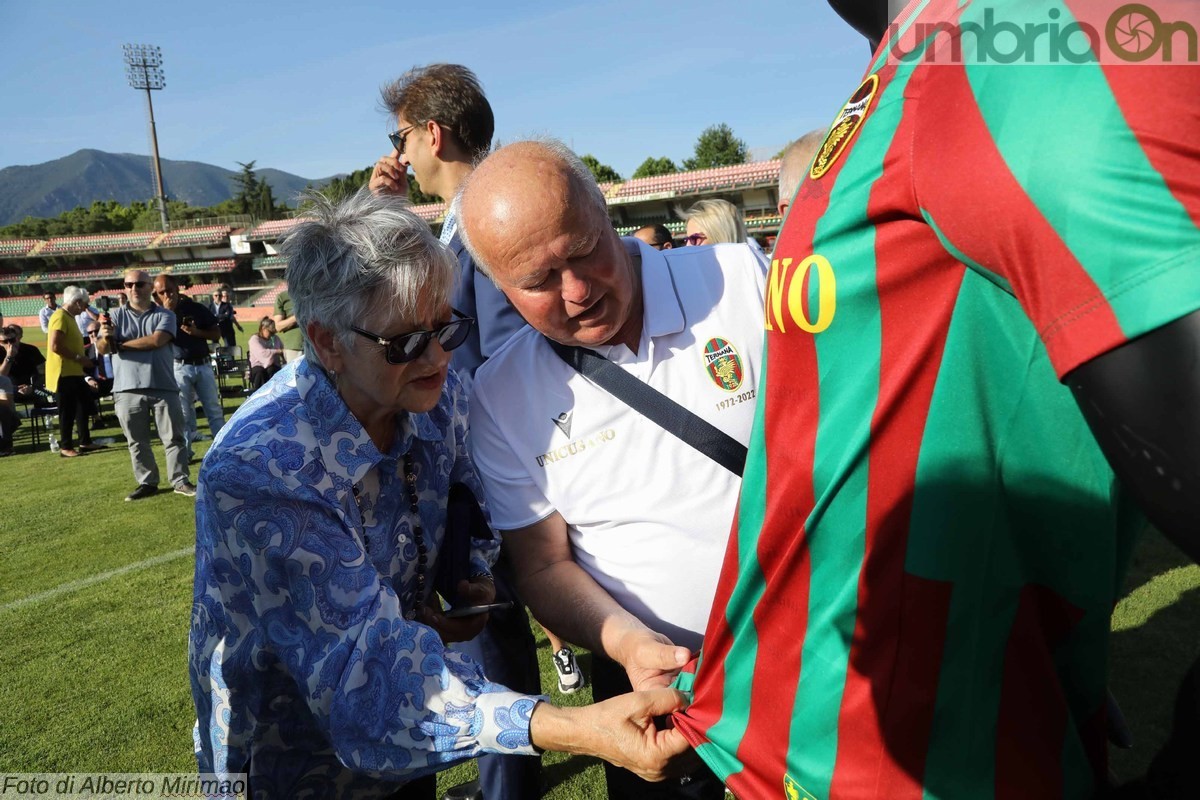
x=409, y=346
x=135, y=284
x=398, y=138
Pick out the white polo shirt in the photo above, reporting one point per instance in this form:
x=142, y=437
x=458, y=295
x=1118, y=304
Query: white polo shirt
x=648, y=515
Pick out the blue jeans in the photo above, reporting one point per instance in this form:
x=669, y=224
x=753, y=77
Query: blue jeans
x=198, y=381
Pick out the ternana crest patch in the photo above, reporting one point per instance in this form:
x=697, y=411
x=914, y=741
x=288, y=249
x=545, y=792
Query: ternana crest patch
x=848, y=121
x=724, y=364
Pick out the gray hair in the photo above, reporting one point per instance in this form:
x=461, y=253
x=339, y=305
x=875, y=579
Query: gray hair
x=580, y=175
x=72, y=294
x=794, y=163
x=719, y=219
x=365, y=251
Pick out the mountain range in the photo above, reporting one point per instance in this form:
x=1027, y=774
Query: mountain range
x=50, y=188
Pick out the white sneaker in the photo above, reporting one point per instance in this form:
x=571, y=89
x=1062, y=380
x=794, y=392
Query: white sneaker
x=570, y=679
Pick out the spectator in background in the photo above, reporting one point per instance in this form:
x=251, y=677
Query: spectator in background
x=139, y=340
x=47, y=310
x=65, y=368
x=714, y=221
x=657, y=236
x=87, y=319
x=288, y=329
x=195, y=327
x=227, y=318
x=266, y=354
x=122, y=299
x=25, y=366
x=9, y=421
x=794, y=164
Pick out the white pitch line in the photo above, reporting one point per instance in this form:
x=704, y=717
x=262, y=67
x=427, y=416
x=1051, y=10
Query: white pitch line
x=103, y=576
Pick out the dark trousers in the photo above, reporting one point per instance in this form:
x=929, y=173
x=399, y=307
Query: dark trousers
x=510, y=658
x=226, y=330
x=8, y=424
x=420, y=789
x=609, y=680
x=74, y=406
x=260, y=375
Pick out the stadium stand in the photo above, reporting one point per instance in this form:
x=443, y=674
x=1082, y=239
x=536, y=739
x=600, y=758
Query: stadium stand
x=269, y=262
x=267, y=298
x=195, y=237
x=17, y=248
x=271, y=229
x=193, y=267
x=26, y=306
x=759, y=173
x=430, y=212
x=99, y=243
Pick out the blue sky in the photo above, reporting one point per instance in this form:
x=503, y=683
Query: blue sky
x=295, y=86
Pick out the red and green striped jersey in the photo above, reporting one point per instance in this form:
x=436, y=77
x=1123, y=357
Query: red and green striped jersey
x=916, y=596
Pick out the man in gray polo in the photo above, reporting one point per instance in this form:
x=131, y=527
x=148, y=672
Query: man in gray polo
x=139, y=340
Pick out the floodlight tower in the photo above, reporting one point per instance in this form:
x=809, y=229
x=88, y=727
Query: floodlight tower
x=143, y=67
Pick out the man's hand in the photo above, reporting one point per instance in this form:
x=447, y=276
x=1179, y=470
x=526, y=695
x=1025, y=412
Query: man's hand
x=474, y=592
x=650, y=659
x=390, y=176
x=621, y=730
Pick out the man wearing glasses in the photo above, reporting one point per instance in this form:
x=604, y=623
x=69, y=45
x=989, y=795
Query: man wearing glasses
x=139, y=336
x=444, y=125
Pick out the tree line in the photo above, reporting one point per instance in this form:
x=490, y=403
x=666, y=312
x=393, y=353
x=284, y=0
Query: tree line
x=717, y=146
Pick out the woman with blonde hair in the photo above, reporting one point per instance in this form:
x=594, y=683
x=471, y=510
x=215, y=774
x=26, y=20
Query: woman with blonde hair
x=714, y=221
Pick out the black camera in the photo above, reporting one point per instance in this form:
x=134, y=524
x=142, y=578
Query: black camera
x=188, y=321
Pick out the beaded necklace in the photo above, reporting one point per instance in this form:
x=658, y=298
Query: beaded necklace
x=410, y=485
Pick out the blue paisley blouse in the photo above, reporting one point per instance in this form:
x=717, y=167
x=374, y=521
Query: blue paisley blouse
x=304, y=669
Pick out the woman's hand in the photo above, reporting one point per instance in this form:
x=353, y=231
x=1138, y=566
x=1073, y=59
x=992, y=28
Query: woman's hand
x=474, y=592
x=622, y=730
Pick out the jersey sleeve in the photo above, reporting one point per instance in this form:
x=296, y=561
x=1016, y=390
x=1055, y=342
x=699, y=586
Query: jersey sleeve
x=1075, y=190
x=513, y=498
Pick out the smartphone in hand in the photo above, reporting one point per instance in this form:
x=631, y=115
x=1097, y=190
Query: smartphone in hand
x=467, y=611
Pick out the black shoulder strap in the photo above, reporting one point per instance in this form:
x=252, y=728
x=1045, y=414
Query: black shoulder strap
x=656, y=407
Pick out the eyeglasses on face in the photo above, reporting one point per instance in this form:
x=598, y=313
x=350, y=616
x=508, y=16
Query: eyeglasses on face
x=399, y=137
x=695, y=238
x=134, y=284
x=409, y=346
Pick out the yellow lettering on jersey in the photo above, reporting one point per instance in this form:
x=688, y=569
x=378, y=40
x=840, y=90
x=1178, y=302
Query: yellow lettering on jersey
x=784, y=281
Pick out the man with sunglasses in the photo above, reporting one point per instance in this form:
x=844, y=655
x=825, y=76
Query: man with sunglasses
x=139, y=336
x=444, y=126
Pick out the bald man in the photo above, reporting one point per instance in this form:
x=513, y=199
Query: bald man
x=616, y=527
x=794, y=164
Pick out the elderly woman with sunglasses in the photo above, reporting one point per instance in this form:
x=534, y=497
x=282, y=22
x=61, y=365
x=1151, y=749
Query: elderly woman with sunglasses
x=317, y=654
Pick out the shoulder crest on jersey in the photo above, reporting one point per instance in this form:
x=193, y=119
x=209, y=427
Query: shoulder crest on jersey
x=847, y=123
